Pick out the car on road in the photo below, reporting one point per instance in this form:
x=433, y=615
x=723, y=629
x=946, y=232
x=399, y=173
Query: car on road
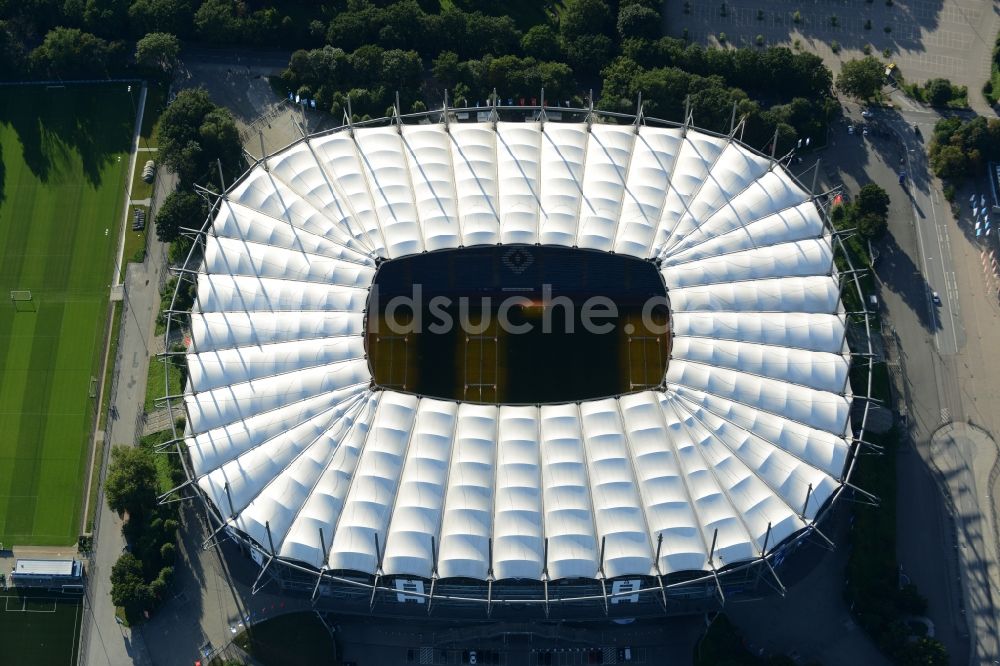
x=935, y=298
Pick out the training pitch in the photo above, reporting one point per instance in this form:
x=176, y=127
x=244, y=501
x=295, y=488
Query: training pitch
x=63, y=162
x=39, y=630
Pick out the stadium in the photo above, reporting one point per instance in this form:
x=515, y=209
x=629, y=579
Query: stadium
x=685, y=478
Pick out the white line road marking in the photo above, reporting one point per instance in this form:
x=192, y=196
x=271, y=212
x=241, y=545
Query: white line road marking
x=945, y=245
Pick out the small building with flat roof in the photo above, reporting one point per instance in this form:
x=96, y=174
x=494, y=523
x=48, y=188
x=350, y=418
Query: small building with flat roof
x=49, y=574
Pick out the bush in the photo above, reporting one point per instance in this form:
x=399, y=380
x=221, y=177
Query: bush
x=938, y=92
x=871, y=226
x=168, y=553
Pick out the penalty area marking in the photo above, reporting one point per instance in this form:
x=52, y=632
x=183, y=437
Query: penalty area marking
x=23, y=606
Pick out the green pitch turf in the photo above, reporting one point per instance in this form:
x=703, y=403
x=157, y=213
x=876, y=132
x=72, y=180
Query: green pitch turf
x=63, y=162
x=39, y=630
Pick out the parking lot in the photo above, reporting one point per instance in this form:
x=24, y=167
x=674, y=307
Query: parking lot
x=926, y=38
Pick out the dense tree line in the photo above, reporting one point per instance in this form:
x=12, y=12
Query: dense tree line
x=791, y=92
x=141, y=576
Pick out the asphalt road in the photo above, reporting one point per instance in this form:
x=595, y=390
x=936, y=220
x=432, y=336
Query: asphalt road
x=946, y=372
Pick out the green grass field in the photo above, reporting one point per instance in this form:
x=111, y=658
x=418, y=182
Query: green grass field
x=63, y=163
x=39, y=630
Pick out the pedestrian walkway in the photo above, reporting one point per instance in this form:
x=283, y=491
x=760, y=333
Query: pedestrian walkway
x=103, y=641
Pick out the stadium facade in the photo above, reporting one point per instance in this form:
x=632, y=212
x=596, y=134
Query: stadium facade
x=374, y=499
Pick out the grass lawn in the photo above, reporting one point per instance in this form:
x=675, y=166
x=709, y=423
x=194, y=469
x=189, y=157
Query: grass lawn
x=155, y=385
x=63, y=163
x=289, y=640
x=48, y=633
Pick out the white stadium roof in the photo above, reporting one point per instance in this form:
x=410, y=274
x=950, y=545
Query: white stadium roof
x=751, y=429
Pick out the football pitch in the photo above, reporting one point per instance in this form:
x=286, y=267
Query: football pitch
x=63, y=163
x=39, y=630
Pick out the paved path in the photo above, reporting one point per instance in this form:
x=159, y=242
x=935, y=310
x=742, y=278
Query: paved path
x=104, y=642
x=133, y=153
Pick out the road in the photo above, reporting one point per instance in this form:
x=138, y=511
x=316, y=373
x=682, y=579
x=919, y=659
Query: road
x=946, y=374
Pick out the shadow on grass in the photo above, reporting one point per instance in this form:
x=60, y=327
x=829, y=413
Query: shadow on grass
x=95, y=122
x=296, y=638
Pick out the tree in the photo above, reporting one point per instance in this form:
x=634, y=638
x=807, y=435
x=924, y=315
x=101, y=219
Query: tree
x=131, y=482
x=11, y=52
x=220, y=139
x=181, y=208
x=70, y=52
x=173, y=16
x=540, y=42
x=157, y=50
x=194, y=133
x=938, y=92
x=638, y=21
x=446, y=68
x=179, y=123
x=402, y=71
x=862, y=78
x=217, y=21
x=583, y=17
x=949, y=162
x=873, y=200
x=128, y=588
x=106, y=17
x=588, y=53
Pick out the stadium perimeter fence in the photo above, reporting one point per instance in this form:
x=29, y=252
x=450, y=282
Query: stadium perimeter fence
x=366, y=591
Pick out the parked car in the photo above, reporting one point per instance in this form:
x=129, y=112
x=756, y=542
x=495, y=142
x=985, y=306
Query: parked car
x=850, y=129
x=936, y=298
